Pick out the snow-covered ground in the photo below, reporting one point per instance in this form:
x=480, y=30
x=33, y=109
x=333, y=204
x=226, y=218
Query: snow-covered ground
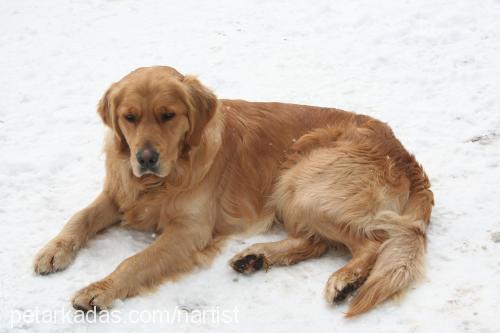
x=431, y=68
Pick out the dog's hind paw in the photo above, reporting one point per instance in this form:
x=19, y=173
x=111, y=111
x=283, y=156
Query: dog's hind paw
x=337, y=289
x=248, y=263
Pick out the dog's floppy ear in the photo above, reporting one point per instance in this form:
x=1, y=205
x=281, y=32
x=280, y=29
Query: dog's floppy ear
x=203, y=104
x=106, y=109
x=103, y=108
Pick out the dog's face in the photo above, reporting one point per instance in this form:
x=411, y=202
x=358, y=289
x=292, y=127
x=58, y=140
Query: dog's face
x=158, y=115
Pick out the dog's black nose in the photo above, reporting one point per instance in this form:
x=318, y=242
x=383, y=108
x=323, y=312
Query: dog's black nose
x=147, y=158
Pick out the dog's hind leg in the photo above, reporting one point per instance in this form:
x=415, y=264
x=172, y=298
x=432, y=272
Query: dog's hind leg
x=285, y=252
x=350, y=277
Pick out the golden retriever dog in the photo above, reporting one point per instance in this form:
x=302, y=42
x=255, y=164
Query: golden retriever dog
x=196, y=169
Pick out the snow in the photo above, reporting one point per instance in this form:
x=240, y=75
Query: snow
x=430, y=68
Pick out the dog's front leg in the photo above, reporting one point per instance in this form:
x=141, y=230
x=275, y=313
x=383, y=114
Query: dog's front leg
x=173, y=252
x=58, y=253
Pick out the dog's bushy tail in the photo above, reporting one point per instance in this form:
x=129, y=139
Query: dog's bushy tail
x=400, y=259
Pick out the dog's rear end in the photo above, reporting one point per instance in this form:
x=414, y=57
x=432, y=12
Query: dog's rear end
x=356, y=185
x=400, y=258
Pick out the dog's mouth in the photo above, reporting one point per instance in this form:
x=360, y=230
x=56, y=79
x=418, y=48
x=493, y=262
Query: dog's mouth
x=148, y=171
x=149, y=174
x=155, y=172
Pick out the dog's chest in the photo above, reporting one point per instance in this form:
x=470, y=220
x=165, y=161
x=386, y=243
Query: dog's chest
x=153, y=211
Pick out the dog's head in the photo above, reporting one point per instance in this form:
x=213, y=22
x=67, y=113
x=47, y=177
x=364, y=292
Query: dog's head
x=157, y=115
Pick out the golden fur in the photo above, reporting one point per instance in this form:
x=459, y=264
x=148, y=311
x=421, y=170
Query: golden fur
x=228, y=166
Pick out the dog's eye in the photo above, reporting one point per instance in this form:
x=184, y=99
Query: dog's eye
x=130, y=118
x=167, y=116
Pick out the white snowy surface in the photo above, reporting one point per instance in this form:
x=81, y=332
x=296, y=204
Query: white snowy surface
x=430, y=68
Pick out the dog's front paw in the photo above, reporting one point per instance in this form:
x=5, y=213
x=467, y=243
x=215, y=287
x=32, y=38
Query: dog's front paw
x=95, y=297
x=53, y=257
